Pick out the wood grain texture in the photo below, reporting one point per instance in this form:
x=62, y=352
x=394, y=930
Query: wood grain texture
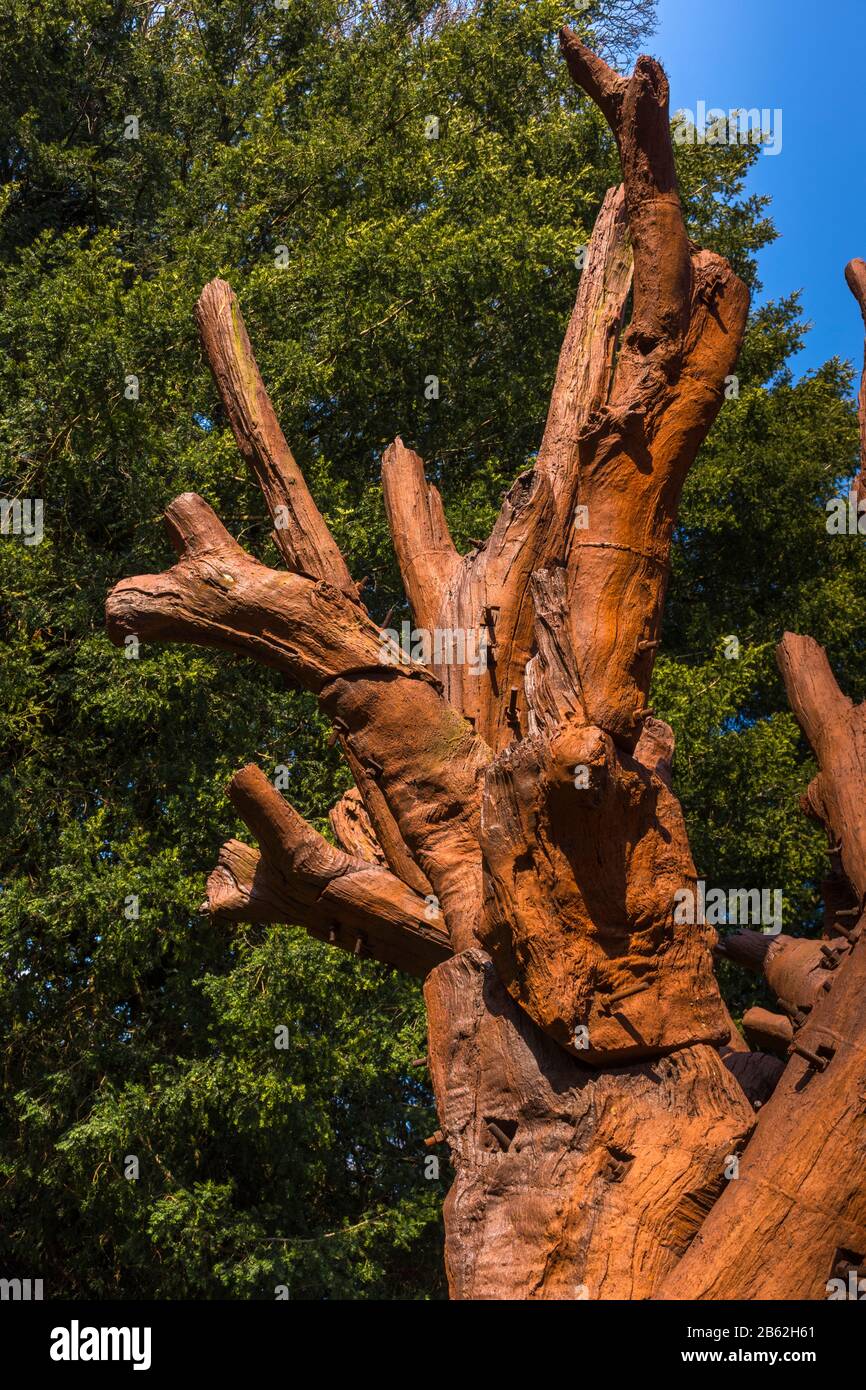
x=300, y=530
x=299, y=878
x=353, y=829
x=422, y=754
x=799, y=1202
x=514, y=836
x=569, y=1183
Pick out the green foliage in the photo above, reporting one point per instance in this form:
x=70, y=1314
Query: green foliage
x=260, y=128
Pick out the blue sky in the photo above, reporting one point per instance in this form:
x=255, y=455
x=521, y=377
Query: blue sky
x=808, y=60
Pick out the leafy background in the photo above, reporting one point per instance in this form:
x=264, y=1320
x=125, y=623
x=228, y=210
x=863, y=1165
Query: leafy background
x=302, y=126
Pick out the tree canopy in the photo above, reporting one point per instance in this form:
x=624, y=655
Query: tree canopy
x=397, y=193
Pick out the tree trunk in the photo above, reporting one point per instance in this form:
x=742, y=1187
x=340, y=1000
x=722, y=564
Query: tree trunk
x=513, y=836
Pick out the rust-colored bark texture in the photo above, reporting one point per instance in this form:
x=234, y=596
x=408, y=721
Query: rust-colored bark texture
x=513, y=837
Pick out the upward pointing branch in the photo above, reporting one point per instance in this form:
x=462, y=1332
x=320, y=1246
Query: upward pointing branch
x=585, y=369
x=426, y=553
x=836, y=731
x=636, y=109
x=301, y=534
x=630, y=457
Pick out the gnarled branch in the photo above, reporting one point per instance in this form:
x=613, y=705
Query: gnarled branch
x=300, y=530
x=300, y=879
x=422, y=755
x=425, y=551
x=800, y=1186
x=836, y=731
x=633, y=455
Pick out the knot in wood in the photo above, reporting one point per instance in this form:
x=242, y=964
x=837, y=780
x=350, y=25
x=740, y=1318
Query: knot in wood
x=327, y=591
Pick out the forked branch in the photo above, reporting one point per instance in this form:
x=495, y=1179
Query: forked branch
x=301, y=879
x=401, y=732
x=635, y=451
